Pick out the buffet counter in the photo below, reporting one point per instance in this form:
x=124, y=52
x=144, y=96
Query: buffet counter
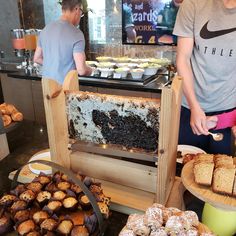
x=24, y=89
x=155, y=85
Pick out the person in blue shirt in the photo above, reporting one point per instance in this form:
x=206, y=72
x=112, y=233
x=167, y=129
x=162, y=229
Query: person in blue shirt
x=61, y=44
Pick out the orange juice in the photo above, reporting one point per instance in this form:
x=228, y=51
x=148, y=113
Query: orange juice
x=30, y=41
x=18, y=43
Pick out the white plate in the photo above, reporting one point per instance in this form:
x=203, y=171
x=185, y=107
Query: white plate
x=185, y=149
x=36, y=168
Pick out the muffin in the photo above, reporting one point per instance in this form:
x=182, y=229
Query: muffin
x=64, y=227
x=25, y=227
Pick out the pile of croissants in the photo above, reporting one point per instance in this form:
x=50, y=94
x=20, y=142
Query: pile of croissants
x=10, y=114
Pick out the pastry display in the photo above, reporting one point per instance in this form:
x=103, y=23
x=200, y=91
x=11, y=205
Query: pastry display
x=126, y=122
x=161, y=221
x=52, y=206
x=216, y=171
x=10, y=114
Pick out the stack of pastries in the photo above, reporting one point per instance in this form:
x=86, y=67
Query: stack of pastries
x=161, y=221
x=218, y=171
x=52, y=205
x=10, y=114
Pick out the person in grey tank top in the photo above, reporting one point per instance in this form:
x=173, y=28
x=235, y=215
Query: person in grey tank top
x=61, y=44
x=206, y=59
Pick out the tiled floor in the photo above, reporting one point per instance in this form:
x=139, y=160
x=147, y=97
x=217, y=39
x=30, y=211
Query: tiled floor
x=26, y=140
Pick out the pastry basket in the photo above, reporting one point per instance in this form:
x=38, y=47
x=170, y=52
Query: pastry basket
x=102, y=223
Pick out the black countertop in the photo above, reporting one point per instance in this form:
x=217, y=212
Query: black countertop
x=154, y=86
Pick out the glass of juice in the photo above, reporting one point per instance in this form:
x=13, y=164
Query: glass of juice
x=30, y=39
x=18, y=41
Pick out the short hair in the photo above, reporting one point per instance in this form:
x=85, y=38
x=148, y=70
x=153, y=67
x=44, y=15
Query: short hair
x=70, y=4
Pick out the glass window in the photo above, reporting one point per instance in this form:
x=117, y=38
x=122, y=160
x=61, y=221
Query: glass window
x=104, y=21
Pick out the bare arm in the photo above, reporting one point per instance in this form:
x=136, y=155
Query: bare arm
x=80, y=62
x=38, y=55
x=198, y=117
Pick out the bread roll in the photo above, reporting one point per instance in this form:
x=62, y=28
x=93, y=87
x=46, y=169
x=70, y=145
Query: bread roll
x=3, y=108
x=10, y=109
x=6, y=120
x=7, y=109
x=17, y=116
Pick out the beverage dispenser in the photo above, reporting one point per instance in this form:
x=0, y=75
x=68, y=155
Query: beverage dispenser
x=18, y=42
x=30, y=40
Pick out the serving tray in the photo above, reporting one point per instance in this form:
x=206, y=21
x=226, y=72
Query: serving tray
x=205, y=193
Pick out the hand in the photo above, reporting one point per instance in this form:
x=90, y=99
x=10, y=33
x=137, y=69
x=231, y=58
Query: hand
x=234, y=130
x=198, y=121
x=211, y=121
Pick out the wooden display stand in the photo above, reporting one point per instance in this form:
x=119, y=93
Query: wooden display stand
x=130, y=185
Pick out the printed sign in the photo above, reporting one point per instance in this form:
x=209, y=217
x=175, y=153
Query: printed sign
x=149, y=21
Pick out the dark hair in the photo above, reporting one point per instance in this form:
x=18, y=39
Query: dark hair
x=70, y=4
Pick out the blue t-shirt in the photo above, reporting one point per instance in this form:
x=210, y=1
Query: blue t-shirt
x=59, y=40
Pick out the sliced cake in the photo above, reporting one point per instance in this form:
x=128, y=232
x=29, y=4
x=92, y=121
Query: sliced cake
x=223, y=180
x=203, y=172
x=221, y=160
x=205, y=157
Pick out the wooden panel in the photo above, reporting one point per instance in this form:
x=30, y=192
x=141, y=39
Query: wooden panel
x=116, y=171
x=168, y=138
x=175, y=198
x=128, y=197
x=54, y=102
x=39, y=110
x=19, y=93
